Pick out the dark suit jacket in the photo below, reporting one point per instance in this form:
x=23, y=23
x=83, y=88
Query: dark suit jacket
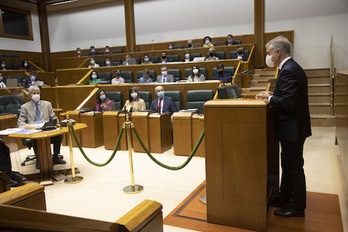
x=233, y=42
x=290, y=103
x=27, y=81
x=168, y=105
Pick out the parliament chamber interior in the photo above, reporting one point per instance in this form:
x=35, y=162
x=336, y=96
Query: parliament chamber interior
x=156, y=108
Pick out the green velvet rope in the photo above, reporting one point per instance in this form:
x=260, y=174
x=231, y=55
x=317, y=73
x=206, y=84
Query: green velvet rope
x=88, y=159
x=166, y=166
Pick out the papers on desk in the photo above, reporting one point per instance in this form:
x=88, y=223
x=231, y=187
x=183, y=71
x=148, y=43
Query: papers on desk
x=18, y=131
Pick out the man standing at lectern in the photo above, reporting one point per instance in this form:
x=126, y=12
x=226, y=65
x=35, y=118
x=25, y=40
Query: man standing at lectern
x=292, y=124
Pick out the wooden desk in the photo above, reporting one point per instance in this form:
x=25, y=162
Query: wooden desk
x=154, y=130
x=92, y=137
x=10, y=121
x=44, y=149
x=240, y=148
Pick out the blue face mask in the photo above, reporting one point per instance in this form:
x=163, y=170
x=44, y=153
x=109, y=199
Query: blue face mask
x=230, y=41
x=160, y=94
x=118, y=74
x=146, y=59
x=102, y=97
x=32, y=78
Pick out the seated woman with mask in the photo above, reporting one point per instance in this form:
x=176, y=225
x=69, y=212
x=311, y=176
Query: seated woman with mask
x=134, y=102
x=25, y=66
x=196, y=75
x=103, y=102
x=212, y=54
x=94, y=78
x=117, y=79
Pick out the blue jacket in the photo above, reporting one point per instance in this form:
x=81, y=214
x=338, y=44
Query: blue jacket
x=168, y=105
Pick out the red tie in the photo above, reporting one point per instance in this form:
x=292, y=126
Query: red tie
x=159, y=106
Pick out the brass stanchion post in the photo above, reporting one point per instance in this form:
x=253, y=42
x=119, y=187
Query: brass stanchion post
x=73, y=179
x=134, y=188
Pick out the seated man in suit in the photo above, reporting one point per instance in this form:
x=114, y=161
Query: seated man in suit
x=165, y=59
x=165, y=77
x=162, y=104
x=32, y=80
x=40, y=111
x=221, y=74
x=230, y=40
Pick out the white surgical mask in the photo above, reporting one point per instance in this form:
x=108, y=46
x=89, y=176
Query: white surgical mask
x=102, y=97
x=134, y=95
x=146, y=59
x=3, y=65
x=107, y=62
x=25, y=64
x=79, y=52
x=195, y=71
x=35, y=97
x=170, y=47
x=32, y=78
x=92, y=62
x=93, y=50
x=1, y=78
x=160, y=94
x=187, y=55
x=207, y=41
x=107, y=50
x=94, y=76
x=269, y=61
x=164, y=73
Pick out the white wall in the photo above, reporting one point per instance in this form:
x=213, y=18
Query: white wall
x=314, y=21
x=25, y=45
x=98, y=26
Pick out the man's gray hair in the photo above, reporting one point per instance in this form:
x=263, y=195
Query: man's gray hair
x=282, y=43
x=32, y=88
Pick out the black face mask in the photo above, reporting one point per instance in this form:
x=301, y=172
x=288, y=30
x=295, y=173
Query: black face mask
x=221, y=72
x=164, y=57
x=189, y=45
x=212, y=53
x=240, y=53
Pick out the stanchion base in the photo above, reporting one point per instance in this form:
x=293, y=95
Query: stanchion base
x=73, y=180
x=203, y=199
x=133, y=189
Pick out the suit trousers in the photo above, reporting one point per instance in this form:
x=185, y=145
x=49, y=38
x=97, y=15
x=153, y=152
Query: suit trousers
x=293, y=181
x=56, y=141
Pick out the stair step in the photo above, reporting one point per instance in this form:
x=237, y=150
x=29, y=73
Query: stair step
x=319, y=99
x=320, y=109
x=265, y=71
x=323, y=120
x=319, y=80
x=253, y=90
x=319, y=88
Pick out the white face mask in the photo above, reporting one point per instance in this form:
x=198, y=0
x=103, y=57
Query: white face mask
x=78, y=52
x=207, y=41
x=195, y=71
x=35, y=97
x=107, y=50
x=269, y=61
x=3, y=65
x=93, y=50
x=92, y=62
x=102, y=97
x=107, y=62
x=94, y=76
x=32, y=78
x=187, y=56
x=134, y=95
x=164, y=73
x=1, y=78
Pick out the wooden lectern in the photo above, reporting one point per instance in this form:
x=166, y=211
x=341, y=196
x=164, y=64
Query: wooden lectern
x=241, y=157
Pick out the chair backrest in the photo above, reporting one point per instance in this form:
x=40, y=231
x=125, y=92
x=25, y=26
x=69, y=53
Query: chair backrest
x=137, y=59
x=116, y=51
x=152, y=75
x=175, y=73
x=105, y=78
x=197, y=45
x=220, y=43
x=197, y=98
x=178, y=46
x=117, y=100
x=188, y=72
x=174, y=58
x=146, y=96
x=214, y=43
x=11, y=56
x=193, y=55
x=12, y=81
x=10, y=104
x=238, y=41
x=176, y=96
x=116, y=62
x=100, y=62
x=128, y=76
x=154, y=59
x=229, y=70
x=16, y=66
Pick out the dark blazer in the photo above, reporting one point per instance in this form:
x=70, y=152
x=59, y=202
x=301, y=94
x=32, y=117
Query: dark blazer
x=27, y=81
x=233, y=43
x=290, y=103
x=168, y=105
x=225, y=78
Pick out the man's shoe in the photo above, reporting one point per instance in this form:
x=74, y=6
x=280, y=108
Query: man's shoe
x=58, y=161
x=289, y=212
x=18, y=176
x=15, y=183
x=278, y=202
